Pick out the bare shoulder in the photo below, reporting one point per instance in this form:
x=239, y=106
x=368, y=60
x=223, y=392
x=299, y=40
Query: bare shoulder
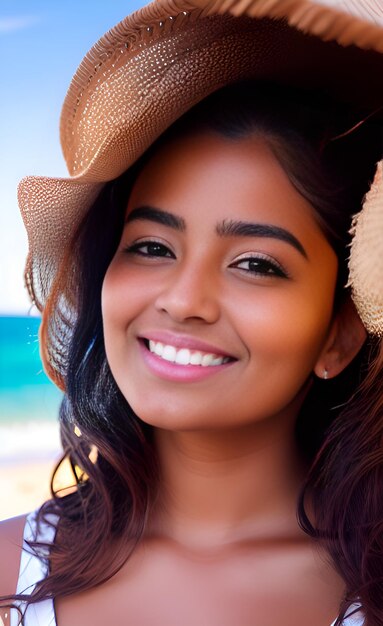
x=11, y=540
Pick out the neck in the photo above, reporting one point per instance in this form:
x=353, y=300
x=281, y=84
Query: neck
x=221, y=487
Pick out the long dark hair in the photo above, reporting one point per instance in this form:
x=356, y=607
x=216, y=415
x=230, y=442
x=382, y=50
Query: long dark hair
x=340, y=427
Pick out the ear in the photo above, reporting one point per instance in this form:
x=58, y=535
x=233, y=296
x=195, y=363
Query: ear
x=346, y=337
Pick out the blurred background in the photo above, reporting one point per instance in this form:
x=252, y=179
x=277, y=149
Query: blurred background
x=41, y=45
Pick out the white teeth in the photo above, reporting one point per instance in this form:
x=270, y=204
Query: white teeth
x=158, y=349
x=196, y=358
x=219, y=360
x=169, y=353
x=207, y=359
x=183, y=356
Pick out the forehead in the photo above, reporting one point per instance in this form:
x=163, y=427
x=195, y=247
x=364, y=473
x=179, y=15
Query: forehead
x=205, y=175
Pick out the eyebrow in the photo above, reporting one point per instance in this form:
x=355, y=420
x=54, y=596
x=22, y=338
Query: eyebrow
x=157, y=215
x=232, y=228
x=226, y=228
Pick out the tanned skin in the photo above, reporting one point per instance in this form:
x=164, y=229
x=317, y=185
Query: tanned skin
x=222, y=546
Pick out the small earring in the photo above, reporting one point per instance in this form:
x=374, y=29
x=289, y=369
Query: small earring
x=325, y=373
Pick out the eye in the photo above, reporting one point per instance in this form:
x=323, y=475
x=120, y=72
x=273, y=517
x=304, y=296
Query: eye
x=150, y=249
x=260, y=266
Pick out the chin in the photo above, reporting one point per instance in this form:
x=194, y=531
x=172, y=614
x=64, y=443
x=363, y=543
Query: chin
x=167, y=418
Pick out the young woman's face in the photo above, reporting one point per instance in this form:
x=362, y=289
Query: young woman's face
x=218, y=301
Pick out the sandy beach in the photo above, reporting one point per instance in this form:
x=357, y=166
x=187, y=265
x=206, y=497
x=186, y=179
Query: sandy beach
x=25, y=485
x=29, y=451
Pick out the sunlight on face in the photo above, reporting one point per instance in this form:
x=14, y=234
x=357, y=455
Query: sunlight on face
x=220, y=256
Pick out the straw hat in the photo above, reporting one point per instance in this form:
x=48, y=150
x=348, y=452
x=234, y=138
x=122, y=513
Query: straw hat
x=158, y=62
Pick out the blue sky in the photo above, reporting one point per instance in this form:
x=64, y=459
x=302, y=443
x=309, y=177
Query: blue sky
x=41, y=44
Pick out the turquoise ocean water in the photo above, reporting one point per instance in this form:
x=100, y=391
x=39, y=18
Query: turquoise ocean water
x=29, y=402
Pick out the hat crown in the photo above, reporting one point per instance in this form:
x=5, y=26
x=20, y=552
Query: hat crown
x=166, y=38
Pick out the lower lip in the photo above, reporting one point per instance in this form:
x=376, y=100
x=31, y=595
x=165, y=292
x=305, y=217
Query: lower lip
x=174, y=371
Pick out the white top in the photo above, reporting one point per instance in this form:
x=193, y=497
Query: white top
x=33, y=569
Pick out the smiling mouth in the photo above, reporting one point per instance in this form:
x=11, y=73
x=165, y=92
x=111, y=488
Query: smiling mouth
x=184, y=356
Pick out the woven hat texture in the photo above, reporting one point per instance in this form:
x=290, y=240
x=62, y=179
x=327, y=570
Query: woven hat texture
x=164, y=58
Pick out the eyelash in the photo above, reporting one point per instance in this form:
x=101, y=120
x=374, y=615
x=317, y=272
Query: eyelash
x=136, y=248
x=265, y=266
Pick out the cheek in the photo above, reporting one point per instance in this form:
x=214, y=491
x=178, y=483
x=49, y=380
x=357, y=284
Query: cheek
x=112, y=294
x=284, y=342
x=287, y=328
x=122, y=298
x=123, y=292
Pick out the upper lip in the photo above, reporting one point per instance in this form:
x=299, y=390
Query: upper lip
x=184, y=341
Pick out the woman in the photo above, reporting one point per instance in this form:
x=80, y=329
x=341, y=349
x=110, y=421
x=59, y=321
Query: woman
x=216, y=372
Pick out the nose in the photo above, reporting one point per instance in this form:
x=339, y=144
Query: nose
x=191, y=292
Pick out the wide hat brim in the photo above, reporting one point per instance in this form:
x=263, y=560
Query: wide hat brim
x=160, y=61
